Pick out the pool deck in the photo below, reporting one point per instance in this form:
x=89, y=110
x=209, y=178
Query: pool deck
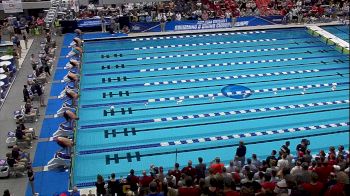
x=45, y=126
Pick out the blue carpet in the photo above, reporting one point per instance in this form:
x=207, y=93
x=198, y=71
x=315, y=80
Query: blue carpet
x=49, y=183
x=68, y=38
x=56, y=88
x=62, y=61
x=50, y=125
x=53, y=105
x=44, y=153
x=59, y=74
x=102, y=35
x=65, y=51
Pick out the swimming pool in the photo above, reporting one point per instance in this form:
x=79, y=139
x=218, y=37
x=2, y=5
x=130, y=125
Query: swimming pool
x=161, y=100
x=341, y=31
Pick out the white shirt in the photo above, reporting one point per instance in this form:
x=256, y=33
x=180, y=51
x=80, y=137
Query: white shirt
x=91, y=6
x=282, y=163
x=296, y=170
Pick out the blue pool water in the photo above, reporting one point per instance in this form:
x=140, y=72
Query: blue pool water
x=161, y=100
x=341, y=31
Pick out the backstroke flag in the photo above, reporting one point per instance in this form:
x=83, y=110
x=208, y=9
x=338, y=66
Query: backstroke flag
x=12, y=6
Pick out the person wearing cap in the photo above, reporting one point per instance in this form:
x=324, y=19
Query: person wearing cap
x=78, y=33
x=72, y=64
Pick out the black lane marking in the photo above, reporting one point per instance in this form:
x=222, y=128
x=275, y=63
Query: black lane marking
x=138, y=156
x=200, y=60
x=227, y=70
x=237, y=120
x=209, y=49
x=236, y=100
x=220, y=85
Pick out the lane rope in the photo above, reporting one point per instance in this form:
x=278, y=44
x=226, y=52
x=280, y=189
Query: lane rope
x=215, y=114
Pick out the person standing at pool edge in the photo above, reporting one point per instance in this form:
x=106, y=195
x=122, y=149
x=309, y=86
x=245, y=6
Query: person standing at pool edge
x=162, y=24
x=240, y=152
x=103, y=24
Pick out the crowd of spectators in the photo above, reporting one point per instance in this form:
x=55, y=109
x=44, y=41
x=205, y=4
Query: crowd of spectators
x=176, y=10
x=21, y=139
x=281, y=173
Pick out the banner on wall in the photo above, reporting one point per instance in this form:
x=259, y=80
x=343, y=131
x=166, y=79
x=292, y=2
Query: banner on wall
x=189, y=24
x=12, y=6
x=208, y=24
x=91, y=22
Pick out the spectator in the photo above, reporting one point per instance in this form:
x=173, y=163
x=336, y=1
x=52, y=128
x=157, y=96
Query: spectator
x=114, y=186
x=188, y=189
x=200, y=168
x=272, y=157
x=281, y=186
x=36, y=88
x=314, y=187
x=341, y=187
x=160, y=176
x=305, y=174
x=75, y=192
x=26, y=95
x=255, y=161
x=153, y=190
x=100, y=186
x=6, y=193
x=285, y=148
x=240, y=152
x=133, y=181
x=176, y=172
x=30, y=174
x=252, y=167
x=230, y=187
x=267, y=185
x=144, y=183
x=217, y=166
x=189, y=170
x=283, y=163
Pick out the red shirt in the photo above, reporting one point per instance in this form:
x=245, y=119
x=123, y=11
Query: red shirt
x=336, y=190
x=145, y=181
x=217, y=167
x=268, y=185
x=177, y=175
x=313, y=189
x=323, y=173
x=188, y=191
x=231, y=193
x=189, y=170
